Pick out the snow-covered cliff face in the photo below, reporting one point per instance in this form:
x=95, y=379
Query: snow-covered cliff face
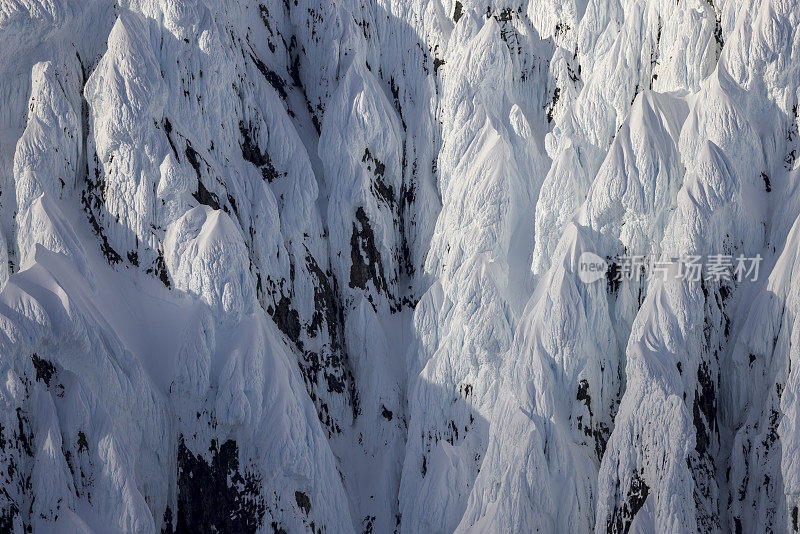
x=286, y=266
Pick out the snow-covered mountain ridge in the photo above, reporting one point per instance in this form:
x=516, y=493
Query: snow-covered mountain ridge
x=302, y=265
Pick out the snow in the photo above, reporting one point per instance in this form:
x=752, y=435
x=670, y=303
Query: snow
x=274, y=266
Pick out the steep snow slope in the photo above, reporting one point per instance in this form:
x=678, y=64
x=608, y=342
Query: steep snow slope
x=286, y=266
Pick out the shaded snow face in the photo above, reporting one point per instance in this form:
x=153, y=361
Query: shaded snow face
x=318, y=266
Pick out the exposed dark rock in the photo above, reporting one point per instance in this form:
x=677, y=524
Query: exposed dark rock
x=217, y=496
x=44, y=369
x=252, y=153
x=458, y=12
x=204, y=196
x=83, y=444
x=704, y=410
x=274, y=80
x=168, y=131
x=287, y=319
x=303, y=502
x=620, y=521
x=366, y=261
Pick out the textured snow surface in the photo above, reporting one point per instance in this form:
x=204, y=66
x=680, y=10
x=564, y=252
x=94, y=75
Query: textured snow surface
x=310, y=265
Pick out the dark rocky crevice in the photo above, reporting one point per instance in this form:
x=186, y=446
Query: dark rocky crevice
x=366, y=262
x=624, y=513
x=218, y=496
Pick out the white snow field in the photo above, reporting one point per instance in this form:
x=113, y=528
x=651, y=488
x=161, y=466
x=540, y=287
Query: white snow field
x=287, y=266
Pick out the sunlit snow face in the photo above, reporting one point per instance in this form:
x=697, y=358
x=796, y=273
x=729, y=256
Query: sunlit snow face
x=399, y=266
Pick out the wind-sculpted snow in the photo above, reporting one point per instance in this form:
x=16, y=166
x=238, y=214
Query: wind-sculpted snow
x=126, y=95
x=684, y=321
x=564, y=372
x=320, y=266
x=47, y=158
x=554, y=413
x=623, y=49
x=479, y=252
x=115, y=407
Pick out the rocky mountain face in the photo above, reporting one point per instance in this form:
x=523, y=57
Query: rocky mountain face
x=313, y=265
